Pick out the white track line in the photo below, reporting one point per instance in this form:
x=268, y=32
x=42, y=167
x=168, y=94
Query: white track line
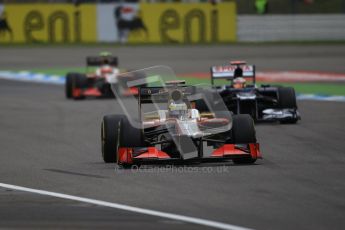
x=187, y=219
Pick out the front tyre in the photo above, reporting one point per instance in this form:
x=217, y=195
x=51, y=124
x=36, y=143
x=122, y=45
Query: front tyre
x=79, y=81
x=131, y=136
x=69, y=85
x=287, y=100
x=110, y=137
x=243, y=132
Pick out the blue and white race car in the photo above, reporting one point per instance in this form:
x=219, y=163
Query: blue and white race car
x=243, y=96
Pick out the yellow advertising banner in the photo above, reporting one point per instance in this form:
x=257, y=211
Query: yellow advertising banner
x=185, y=23
x=39, y=23
x=118, y=22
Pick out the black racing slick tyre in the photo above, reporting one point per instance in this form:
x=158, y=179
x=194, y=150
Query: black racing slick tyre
x=110, y=137
x=130, y=136
x=243, y=132
x=287, y=98
x=81, y=81
x=116, y=132
x=69, y=85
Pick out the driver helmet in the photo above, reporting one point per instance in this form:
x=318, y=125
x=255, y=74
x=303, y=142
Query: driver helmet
x=105, y=69
x=239, y=83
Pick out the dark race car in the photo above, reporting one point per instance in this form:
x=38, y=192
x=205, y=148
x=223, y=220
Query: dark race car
x=264, y=103
x=169, y=128
x=96, y=83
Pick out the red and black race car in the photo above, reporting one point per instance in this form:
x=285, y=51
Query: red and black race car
x=97, y=83
x=177, y=131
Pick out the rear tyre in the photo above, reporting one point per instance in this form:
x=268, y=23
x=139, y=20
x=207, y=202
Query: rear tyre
x=110, y=137
x=243, y=132
x=287, y=100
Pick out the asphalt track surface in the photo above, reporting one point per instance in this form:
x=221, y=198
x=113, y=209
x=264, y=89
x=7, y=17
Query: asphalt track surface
x=50, y=143
x=184, y=59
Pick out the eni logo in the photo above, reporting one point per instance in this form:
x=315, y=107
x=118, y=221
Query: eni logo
x=171, y=20
x=57, y=22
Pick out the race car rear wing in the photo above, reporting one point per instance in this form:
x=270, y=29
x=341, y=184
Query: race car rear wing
x=228, y=72
x=161, y=94
x=97, y=60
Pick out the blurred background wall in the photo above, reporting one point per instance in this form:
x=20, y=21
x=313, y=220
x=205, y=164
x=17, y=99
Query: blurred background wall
x=170, y=21
x=294, y=7
x=243, y=6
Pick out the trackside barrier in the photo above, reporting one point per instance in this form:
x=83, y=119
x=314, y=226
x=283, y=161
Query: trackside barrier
x=326, y=27
x=118, y=22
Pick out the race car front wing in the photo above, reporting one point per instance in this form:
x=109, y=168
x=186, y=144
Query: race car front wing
x=280, y=114
x=227, y=151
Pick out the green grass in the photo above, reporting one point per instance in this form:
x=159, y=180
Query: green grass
x=61, y=71
x=305, y=88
